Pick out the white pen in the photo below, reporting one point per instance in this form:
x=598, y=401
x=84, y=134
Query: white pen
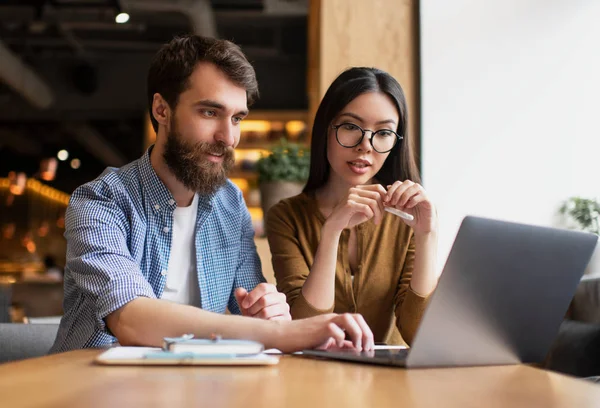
x=399, y=213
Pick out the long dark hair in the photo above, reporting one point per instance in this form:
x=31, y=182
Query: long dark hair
x=400, y=164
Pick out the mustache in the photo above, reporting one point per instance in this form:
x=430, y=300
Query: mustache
x=217, y=149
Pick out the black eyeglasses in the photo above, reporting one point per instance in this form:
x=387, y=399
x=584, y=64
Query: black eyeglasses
x=351, y=135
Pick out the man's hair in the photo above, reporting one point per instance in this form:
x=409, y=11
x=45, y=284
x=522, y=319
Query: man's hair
x=173, y=64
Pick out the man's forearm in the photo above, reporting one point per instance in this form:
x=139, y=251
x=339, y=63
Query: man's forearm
x=145, y=322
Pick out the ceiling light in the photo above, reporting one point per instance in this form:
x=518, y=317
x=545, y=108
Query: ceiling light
x=62, y=155
x=75, y=164
x=122, y=18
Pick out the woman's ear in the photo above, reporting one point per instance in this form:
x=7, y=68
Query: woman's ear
x=160, y=110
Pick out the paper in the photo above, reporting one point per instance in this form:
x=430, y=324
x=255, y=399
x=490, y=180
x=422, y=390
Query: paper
x=129, y=352
x=385, y=347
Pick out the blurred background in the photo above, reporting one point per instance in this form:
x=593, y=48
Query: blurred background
x=73, y=98
x=73, y=101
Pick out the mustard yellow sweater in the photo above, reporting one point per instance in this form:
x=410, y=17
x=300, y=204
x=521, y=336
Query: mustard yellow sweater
x=380, y=290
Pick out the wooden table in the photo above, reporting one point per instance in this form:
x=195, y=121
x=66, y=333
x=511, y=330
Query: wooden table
x=71, y=379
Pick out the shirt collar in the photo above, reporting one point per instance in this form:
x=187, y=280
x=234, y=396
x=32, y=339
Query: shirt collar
x=156, y=193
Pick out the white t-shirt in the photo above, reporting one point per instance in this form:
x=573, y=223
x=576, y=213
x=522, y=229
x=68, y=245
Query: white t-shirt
x=182, y=278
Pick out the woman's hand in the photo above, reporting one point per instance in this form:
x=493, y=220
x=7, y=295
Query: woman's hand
x=361, y=204
x=412, y=199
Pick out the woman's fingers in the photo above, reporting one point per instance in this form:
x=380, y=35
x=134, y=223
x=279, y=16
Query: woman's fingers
x=371, y=193
x=408, y=194
x=394, y=191
x=361, y=208
x=399, y=193
x=416, y=199
x=375, y=207
x=377, y=188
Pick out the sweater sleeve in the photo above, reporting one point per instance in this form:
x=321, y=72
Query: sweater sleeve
x=290, y=265
x=409, y=306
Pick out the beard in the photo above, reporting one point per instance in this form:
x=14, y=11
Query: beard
x=188, y=163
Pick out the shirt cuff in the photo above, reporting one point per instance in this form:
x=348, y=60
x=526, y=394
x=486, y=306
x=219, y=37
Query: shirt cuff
x=301, y=308
x=415, y=302
x=117, y=294
x=409, y=314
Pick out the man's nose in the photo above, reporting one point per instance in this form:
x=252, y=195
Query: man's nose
x=226, y=133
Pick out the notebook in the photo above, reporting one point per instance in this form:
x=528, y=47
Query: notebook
x=217, y=345
x=188, y=351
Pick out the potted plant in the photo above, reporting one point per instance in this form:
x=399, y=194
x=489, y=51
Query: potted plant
x=585, y=213
x=282, y=173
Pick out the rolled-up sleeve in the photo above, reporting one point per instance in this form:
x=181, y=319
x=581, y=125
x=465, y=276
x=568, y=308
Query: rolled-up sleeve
x=409, y=306
x=98, y=257
x=248, y=272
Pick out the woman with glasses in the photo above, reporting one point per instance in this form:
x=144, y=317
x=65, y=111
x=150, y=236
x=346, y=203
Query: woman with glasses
x=335, y=247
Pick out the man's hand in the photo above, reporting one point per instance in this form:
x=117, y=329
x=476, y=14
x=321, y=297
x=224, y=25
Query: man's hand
x=327, y=331
x=263, y=302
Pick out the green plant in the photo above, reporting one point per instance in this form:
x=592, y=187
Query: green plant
x=286, y=162
x=584, y=211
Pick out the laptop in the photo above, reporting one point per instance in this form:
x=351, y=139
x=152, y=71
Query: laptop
x=501, y=298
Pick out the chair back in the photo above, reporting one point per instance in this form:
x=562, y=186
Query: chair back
x=19, y=341
x=585, y=306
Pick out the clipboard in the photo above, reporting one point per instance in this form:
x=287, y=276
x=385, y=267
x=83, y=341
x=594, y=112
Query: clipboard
x=153, y=356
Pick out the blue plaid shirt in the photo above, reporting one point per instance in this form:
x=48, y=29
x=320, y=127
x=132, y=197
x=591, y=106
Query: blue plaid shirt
x=119, y=234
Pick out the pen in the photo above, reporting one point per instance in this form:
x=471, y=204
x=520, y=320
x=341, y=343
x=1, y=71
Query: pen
x=399, y=213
